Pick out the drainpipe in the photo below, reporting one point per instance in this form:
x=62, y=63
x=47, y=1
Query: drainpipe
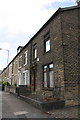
x=30, y=63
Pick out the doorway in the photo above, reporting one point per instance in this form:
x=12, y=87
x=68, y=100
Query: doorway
x=34, y=80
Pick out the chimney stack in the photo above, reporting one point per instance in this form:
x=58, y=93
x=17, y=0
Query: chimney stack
x=78, y=2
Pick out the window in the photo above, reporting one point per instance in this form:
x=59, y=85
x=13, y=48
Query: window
x=34, y=51
x=48, y=78
x=19, y=78
x=26, y=78
x=16, y=65
x=20, y=61
x=25, y=57
x=45, y=76
x=47, y=46
x=51, y=75
x=47, y=42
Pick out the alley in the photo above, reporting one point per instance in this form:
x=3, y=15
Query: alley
x=13, y=107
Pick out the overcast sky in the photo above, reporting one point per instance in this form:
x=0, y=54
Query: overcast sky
x=21, y=19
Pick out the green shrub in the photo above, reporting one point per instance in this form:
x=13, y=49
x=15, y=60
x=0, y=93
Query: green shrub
x=6, y=83
x=15, y=84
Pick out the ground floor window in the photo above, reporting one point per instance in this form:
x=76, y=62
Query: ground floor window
x=19, y=78
x=26, y=80
x=48, y=74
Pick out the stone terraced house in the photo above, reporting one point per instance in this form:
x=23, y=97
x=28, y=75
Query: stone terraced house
x=49, y=63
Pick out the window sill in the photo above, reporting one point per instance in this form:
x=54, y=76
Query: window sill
x=25, y=64
x=19, y=67
x=49, y=89
x=47, y=52
x=34, y=59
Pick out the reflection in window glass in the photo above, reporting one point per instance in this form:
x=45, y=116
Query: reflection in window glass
x=45, y=68
x=48, y=76
x=45, y=79
x=47, y=45
x=51, y=66
x=34, y=53
x=51, y=78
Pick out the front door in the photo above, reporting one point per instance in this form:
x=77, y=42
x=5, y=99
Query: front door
x=34, y=80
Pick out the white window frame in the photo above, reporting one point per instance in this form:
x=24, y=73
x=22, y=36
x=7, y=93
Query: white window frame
x=27, y=81
x=20, y=60
x=26, y=54
x=35, y=54
x=19, y=78
x=47, y=46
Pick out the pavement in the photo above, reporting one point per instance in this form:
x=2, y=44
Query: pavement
x=0, y=104
x=14, y=107
x=68, y=112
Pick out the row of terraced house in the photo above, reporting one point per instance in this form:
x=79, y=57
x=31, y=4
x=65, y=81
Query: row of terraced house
x=49, y=62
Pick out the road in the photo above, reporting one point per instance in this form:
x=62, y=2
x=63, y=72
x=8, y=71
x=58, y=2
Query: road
x=13, y=107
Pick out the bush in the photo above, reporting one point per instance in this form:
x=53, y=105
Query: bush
x=6, y=83
x=15, y=84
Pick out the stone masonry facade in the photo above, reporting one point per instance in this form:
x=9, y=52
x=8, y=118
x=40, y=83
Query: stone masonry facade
x=62, y=33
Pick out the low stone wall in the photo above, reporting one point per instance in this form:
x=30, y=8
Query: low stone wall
x=44, y=106
x=7, y=88
x=24, y=91
x=13, y=89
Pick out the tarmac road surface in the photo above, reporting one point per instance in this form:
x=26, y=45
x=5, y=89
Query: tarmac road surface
x=13, y=107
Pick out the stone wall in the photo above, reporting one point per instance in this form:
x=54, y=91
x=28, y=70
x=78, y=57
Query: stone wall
x=55, y=56
x=70, y=33
x=72, y=96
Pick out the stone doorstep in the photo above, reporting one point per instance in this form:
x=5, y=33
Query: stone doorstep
x=43, y=106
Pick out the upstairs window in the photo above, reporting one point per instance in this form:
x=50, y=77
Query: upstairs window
x=19, y=78
x=20, y=61
x=47, y=46
x=34, y=51
x=25, y=57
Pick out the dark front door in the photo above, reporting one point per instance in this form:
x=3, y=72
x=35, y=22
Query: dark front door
x=34, y=79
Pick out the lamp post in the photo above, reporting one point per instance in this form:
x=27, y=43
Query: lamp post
x=7, y=56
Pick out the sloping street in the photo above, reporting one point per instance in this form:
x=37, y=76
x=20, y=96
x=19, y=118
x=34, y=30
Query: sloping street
x=13, y=107
x=0, y=105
